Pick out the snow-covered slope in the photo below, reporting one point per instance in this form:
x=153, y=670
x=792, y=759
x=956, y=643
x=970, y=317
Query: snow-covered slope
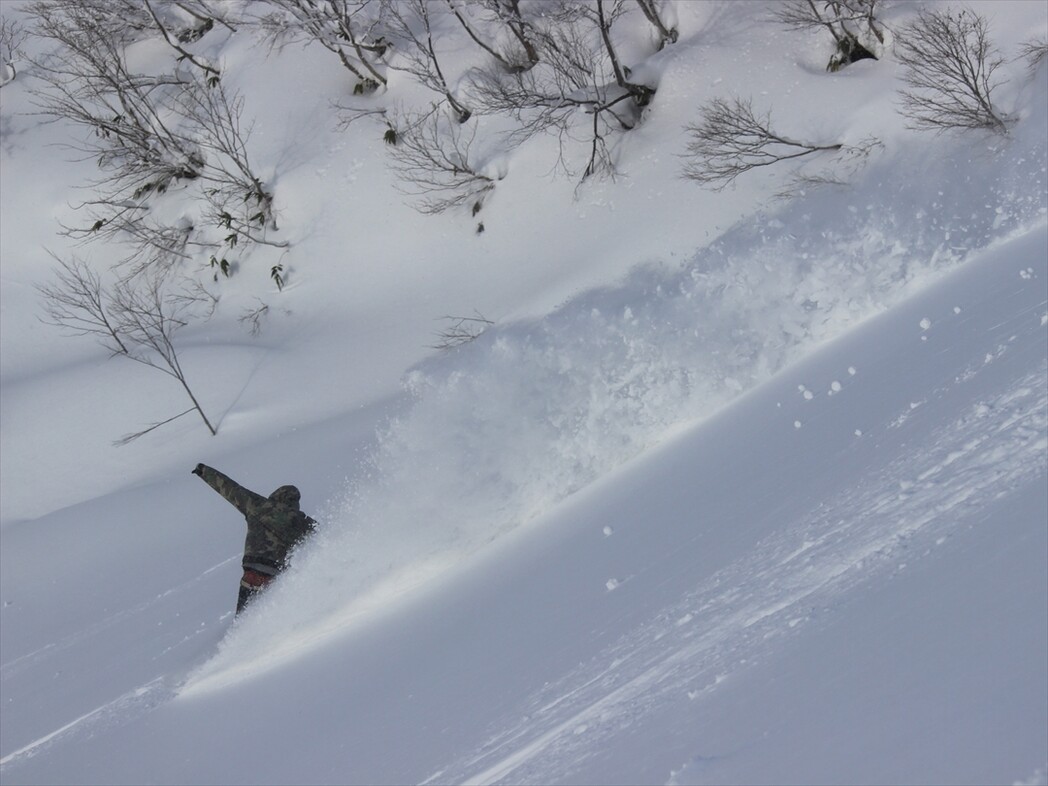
x=736, y=489
x=837, y=578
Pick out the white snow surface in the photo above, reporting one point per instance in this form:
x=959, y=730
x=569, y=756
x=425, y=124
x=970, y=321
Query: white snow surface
x=736, y=489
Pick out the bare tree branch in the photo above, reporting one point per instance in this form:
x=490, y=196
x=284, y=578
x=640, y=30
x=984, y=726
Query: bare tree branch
x=605, y=19
x=12, y=36
x=839, y=172
x=851, y=23
x=127, y=439
x=950, y=65
x=458, y=10
x=732, y=140
x=460, y=330
x=210, y=72
x=148, y=317
x=253, y=317
x=150, y=132
x=411, y=23
x=238, y=199
x=1034, y=52
x=579, y=90
x=77, y=302
x=667, y=35
x=351, y=29
x=206, y=13
x=479, y=16
x=134, y=318
x=432, y=157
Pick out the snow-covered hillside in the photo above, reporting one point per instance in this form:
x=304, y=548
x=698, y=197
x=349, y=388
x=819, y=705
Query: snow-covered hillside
x=736, y=488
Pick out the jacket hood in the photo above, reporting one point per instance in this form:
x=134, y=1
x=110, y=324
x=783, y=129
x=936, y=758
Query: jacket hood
x=286, y=495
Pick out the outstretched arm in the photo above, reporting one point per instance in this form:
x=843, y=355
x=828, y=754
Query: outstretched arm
x=240, y=497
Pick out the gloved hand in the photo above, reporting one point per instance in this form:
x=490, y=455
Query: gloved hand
x=198, y=470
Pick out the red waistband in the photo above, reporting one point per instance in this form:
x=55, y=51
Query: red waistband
x=255, y=579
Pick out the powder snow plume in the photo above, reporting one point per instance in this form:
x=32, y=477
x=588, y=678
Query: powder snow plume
x=502, y=429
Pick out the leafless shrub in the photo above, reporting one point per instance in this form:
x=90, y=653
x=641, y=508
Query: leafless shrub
x=133, y=318
x=252, y=318
x=205, y=14
x=554, y=68
x=77, y=302
x=237, y=196
x=351, y=29
x=731, y=139
x=411, y=23
x=12, y=36
x=950, y=65
x=851, y=23
x=149, y=316
x=1034, y=52
x=149, y=132
x=484, y=20
x=460, y=330
x=348, y=114
x=580, y=73
x=433, y=159
x=840, y=173
x=88, y=82
x=149, y=245
x=650, y=9
x=179, y=22
x=605, y=18
x=175, y=38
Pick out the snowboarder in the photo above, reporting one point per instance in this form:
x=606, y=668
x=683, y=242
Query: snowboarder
x=274, y=525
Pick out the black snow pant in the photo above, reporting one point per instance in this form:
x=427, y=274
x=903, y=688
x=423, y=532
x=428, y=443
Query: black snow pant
x=251, y=585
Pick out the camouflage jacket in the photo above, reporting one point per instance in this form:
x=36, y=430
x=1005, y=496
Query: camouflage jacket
x=274, y=523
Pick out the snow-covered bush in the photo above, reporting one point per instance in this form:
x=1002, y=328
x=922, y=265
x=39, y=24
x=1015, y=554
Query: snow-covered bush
x=555, y=68
x=173, y=125
x=176, y=187
x=856, y=33
x=351, y=29
x=580, y=71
